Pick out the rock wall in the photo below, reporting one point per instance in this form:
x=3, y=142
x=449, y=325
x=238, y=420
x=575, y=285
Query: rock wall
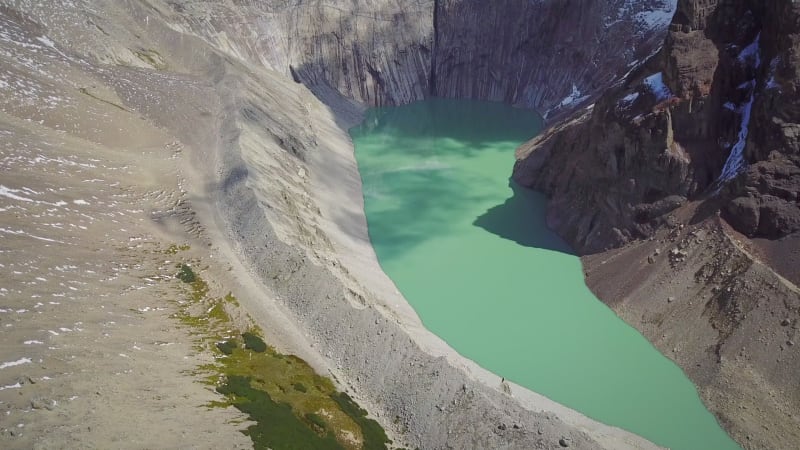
x=766, y=197
x=376, y=52
x=725, y=88
x=550, y=55
x=706, y=129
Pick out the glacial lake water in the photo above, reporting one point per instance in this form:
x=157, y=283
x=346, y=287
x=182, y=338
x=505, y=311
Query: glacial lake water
x=473, y=256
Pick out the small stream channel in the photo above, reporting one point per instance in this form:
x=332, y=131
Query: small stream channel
x=472, y=255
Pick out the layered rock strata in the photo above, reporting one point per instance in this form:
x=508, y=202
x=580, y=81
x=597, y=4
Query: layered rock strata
x=549, y=55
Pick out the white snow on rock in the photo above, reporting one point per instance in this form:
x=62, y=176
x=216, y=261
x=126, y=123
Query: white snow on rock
x=11, y=193
x=657, y=86
x=628, y=99
x=736, y=163
x=771, y=82
x=659, y=17
x=574, y=97
x=15, y=363
x=655, y=17
x=752, y=53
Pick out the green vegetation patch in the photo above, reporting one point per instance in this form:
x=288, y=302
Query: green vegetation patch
x=231, y=300
x=186, y=274
x=175, y=248
x=374, y=436
x=277, y=426
x=253, y=342
x=227, y=347
x=316, y=420
x=292, y=406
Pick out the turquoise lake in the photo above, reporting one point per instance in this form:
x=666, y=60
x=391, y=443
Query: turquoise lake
x=472, y=255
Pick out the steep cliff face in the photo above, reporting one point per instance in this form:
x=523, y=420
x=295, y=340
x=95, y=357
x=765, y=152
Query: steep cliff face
x=680, y=127
x=766, y=198
x=376, y=52
x=549, y=55
x=690, y=170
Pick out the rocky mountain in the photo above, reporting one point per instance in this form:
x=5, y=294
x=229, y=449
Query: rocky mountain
x=548, y=55
x=680, y=128
x=126, y=122
x=699, y=141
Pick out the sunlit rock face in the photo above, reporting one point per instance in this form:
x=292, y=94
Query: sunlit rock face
x=549, y=55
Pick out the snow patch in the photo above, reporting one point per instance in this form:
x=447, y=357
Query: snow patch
x=11, y=193
x=628, y=99
x=771, y=82
x=574, y=97
x=23, y=233
x=736, y=163
x=648, y=17
x=751, y=53
x=657, y=86
x=16, y=385
x=659, y=17
x=15, y=363
x=46, y=41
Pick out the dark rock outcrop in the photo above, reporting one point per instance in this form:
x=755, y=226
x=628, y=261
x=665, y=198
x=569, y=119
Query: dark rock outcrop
x=697, y=150
x=714, y=112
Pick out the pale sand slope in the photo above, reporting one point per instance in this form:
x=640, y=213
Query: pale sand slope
x=272, y=203
x=89, y=357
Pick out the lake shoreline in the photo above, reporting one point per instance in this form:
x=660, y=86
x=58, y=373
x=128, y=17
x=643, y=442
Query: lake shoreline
x=384, y=357
x=477, y=247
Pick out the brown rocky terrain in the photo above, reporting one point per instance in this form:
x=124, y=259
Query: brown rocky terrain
x=681, y=189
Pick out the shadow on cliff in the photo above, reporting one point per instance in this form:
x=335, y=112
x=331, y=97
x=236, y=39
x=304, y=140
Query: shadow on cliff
x=521, y=218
